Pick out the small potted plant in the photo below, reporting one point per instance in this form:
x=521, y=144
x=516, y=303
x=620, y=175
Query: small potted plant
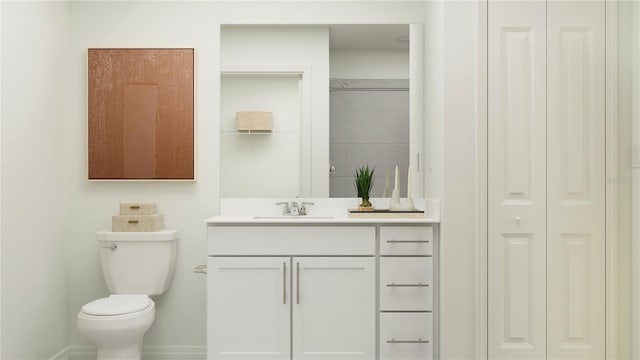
x=364, y=183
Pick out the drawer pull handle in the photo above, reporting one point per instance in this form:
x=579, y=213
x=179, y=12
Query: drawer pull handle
x=419, y=341
x=407, y=285
x=407, y=241
x=284, y=283
x=133, y=221
x=134, y=207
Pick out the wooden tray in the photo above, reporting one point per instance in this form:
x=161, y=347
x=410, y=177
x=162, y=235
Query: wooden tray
x=386, y=214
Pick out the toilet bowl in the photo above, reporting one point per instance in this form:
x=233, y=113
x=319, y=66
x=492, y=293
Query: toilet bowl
x=135, y=266
x=117, y=324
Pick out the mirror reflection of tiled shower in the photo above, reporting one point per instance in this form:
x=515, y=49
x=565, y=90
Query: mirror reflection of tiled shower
x=369, y=125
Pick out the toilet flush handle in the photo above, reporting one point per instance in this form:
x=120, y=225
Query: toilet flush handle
x=113, y=247
x=200, y=269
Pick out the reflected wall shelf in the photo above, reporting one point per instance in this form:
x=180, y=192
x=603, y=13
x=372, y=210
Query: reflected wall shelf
x=258, y=132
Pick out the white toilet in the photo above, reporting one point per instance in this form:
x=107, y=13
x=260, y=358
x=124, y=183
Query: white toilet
x=135, y=265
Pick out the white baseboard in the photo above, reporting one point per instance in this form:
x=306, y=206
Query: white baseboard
x=174, y=352
x=148, y=353
x=62, y=355
x=83, y=353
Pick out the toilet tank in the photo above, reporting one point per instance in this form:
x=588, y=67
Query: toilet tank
x=138, y=262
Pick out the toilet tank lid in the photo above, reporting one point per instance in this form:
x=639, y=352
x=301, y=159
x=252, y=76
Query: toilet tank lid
x=162, y=235
x=117, y=305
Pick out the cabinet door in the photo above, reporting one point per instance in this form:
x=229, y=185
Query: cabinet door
x=248, y=308
x=517, y=180
x=334, y=312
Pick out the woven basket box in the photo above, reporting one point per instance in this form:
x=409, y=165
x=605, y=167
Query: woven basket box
x=254, y=121
x=138, y=209
x=137, y=223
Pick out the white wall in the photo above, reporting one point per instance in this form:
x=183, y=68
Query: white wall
x=180, y=316
x=369, y=63
x=34, y=191
x=633, y=73
x=623, y=182
x=180, y=312
x=460, y=193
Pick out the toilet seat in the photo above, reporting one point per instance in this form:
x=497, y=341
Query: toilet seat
x=116, y=305
x=117, y=336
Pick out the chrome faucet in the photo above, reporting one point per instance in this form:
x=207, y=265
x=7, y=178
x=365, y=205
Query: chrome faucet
x=294, y=209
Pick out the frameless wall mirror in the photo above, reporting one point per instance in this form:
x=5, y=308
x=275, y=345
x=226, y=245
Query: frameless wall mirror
x=337, y=96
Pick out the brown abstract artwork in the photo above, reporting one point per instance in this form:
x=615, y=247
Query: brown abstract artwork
x=141, y=107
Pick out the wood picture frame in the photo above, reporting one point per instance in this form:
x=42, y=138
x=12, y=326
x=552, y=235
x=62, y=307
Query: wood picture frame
x=141, y=114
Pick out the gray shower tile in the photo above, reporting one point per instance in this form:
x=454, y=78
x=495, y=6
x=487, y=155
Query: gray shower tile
x=364, y=126
x=341, y=186
x=395, y=126
x=339, y=127
x=364, y=100
x=394, y=100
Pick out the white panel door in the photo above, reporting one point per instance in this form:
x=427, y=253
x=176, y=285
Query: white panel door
x=333, y=308
x=249, y=313
x=517, y=180
x=576, y=179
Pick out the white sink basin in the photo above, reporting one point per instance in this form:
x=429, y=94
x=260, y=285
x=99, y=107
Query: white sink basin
x=284, y=217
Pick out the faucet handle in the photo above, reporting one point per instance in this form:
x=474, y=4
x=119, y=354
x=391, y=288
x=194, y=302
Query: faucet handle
x=303, y=207
x=285, y=209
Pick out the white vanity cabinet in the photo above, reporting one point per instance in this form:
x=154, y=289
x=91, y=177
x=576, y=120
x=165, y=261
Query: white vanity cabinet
x=312, y=301
x=406, y=292
x=305, y=290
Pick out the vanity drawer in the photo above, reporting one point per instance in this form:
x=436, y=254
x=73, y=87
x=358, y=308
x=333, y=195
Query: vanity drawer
x=291, y=240
x=406, y=336
x=406, y=284
x=406, y=240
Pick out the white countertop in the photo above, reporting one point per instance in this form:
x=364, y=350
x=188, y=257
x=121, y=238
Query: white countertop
x=305, y=219
x=324, y=211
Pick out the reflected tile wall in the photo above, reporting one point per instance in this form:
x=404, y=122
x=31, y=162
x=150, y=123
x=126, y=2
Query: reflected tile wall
x=368, y=127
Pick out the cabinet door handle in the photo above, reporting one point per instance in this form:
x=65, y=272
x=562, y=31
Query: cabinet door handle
x=407, y=241
x=298, y=283
x=407, y=285
x=419, y=341
x=284, y=283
